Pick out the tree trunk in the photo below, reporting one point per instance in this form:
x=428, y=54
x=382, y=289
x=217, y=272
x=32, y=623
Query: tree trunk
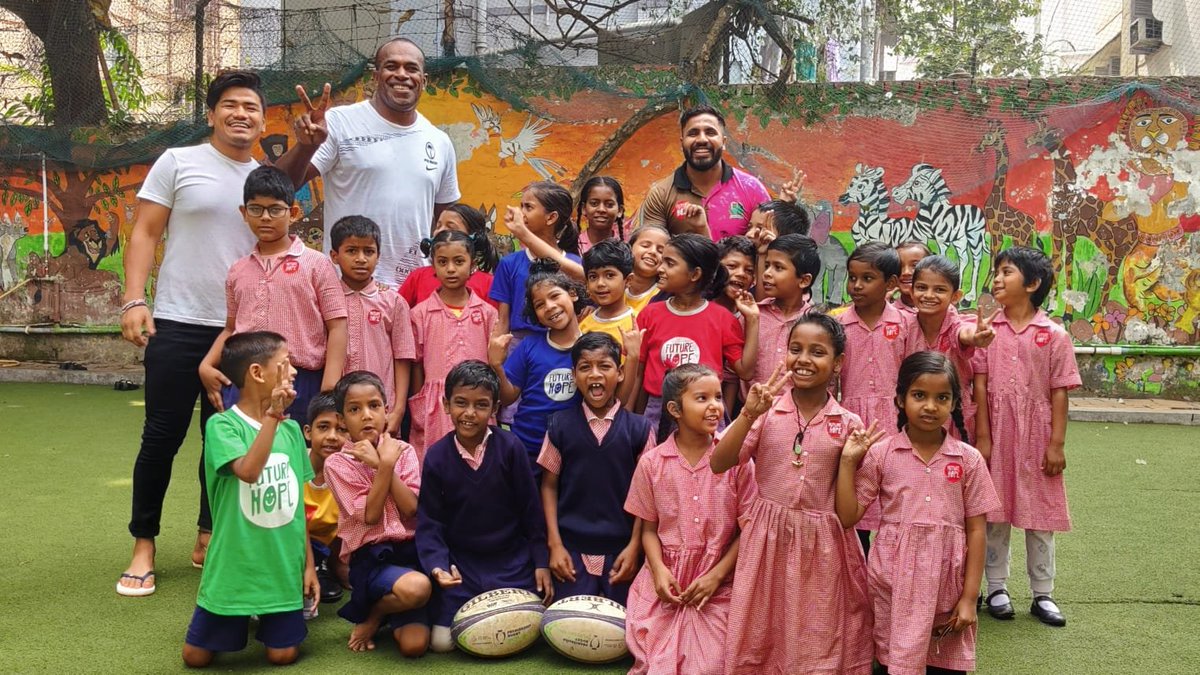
x=68, y=34
x=449, y=40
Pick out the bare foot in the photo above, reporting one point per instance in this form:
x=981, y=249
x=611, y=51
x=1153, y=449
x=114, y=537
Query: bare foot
x=362, y=637
x=140, y=564
x=200, y=550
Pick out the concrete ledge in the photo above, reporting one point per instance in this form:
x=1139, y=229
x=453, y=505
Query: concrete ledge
x=50, y=373
x=1134, y=411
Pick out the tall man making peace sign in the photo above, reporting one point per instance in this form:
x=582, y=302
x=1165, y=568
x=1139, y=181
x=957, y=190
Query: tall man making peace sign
x=379, y=158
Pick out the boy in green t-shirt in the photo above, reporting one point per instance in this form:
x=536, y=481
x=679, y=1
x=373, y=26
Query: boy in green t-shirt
x=255, y=464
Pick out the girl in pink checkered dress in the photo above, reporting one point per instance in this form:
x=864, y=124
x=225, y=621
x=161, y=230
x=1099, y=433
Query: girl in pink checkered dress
x=934, y=492
x=452, y=325
x=800, y=590
x=678, y=608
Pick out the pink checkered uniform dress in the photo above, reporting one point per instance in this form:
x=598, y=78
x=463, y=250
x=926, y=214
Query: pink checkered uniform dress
x=697, y=515
x=947, y=343
x=1023, y=369
x=443, y=341
x=870, y=369
x=918, y=559
x=800, y=593
x=378, y=332
x=293, y=294
x=350, y=481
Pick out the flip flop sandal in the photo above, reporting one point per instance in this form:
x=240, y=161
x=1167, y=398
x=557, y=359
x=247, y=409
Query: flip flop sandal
x=131, y=592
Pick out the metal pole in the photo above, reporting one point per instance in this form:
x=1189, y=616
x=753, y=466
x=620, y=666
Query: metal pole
x=198, y=112
x=45, y=210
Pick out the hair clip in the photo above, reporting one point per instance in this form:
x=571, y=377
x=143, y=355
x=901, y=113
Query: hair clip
x=426, y=246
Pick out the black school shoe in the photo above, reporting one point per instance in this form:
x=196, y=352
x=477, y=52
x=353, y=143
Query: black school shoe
x=1044, y=609
x=1005, y=611
x=331, y=588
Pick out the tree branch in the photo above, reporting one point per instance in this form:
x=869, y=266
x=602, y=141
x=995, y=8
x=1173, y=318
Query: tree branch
x=618, y=138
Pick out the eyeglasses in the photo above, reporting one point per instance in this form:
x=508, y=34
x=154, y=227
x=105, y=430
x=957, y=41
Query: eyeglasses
x=256, y=210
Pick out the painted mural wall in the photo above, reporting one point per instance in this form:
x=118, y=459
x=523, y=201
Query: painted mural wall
x=1103, y=175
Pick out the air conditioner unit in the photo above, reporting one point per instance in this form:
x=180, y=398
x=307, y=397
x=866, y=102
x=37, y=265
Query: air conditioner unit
x=1145, y=35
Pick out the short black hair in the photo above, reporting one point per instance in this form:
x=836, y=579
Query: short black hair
x=941, y=265
x=397, y=38
x=321, y=404
x=801, y=250
x=696, y=111
x=790, y=217
x=233, y=79
x=473, y=374
x=1034, y=266
x=837, y=334
x=592, y=341
x=242, y=350
x=270, y=182
x=878, y=255
x=354, y=226
x=355, y=378
x=609, y=253
x=737, y=243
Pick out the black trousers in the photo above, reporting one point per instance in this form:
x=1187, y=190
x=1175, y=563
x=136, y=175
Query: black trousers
x=173, y=358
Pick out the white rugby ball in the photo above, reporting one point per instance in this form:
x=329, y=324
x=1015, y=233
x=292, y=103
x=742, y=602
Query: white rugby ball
x=498, y=623
x=587, y=628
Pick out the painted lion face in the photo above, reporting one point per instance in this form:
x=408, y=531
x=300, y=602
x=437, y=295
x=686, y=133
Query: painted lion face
x=1157, y=131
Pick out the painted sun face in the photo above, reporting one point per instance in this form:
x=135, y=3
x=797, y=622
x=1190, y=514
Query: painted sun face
x=1157, y=131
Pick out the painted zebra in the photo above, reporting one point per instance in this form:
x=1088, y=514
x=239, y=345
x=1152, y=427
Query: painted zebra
x=961, y=227
x=873, y=224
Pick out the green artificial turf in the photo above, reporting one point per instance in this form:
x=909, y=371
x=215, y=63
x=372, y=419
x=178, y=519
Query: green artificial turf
x=1128, y=577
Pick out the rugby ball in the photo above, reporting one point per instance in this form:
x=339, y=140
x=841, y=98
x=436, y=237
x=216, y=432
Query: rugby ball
x=498, y=623
x=586, y=628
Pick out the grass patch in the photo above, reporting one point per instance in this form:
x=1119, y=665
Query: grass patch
x=1128, y=580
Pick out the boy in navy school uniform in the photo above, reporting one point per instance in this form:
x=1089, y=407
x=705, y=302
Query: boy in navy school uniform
x=255, y=461
x=594, y=545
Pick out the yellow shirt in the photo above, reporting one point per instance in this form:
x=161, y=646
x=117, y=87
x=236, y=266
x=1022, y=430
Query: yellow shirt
x=594, y=324
x=322, y=513
x=638, y=302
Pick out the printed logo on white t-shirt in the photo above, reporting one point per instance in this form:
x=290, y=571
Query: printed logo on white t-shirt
x=559, y=384
x=431, y=163
x=272, y=501
x=679, y=350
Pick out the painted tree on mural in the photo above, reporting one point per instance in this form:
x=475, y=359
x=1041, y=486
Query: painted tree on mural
x=976, y=37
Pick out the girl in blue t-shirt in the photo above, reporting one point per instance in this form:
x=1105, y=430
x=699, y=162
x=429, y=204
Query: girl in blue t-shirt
x=539, y=369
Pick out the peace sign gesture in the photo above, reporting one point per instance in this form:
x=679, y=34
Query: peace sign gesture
x=761, y=394
x=983, y=328
x=310, y=127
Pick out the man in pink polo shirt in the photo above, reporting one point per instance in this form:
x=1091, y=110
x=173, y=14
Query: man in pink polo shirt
x=705, y=194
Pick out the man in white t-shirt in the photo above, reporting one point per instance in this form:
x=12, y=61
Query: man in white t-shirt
x=192, y=194
x=379, y=158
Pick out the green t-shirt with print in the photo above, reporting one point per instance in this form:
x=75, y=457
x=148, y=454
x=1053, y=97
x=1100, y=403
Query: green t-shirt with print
x=255, y=560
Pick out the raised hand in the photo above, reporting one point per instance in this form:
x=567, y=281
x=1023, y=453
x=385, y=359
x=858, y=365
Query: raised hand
x=283, y=394
x=746, y=304
x=514, y=220
x=983, y=328
x=860, y=441
x=310, y=126
x=389, y=450
x=762, y=394
x=790, y=191
x=498, y=348
x=631, y=340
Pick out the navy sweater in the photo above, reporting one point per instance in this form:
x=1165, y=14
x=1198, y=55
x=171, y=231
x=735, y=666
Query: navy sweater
x=485, y=512
x=594, y=479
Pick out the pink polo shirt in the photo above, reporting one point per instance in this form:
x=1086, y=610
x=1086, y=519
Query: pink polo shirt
x=350, y=480
x=293, y=295
x=728, y=205
x=379, y=331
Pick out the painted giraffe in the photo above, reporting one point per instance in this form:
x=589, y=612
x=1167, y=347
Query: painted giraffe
x=953, y=226
x=1075, y=213
x=873, y=224
x=1003, y=219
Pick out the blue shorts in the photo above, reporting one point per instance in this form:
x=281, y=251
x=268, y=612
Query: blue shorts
x=219, y=633
x=374, y=570
x=307, y=385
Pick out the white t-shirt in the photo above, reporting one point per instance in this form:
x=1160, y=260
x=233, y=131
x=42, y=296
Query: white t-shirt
x=391, y=174
x=205, y=231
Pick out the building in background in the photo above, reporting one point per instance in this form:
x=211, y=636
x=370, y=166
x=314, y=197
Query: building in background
x=1148, y=38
